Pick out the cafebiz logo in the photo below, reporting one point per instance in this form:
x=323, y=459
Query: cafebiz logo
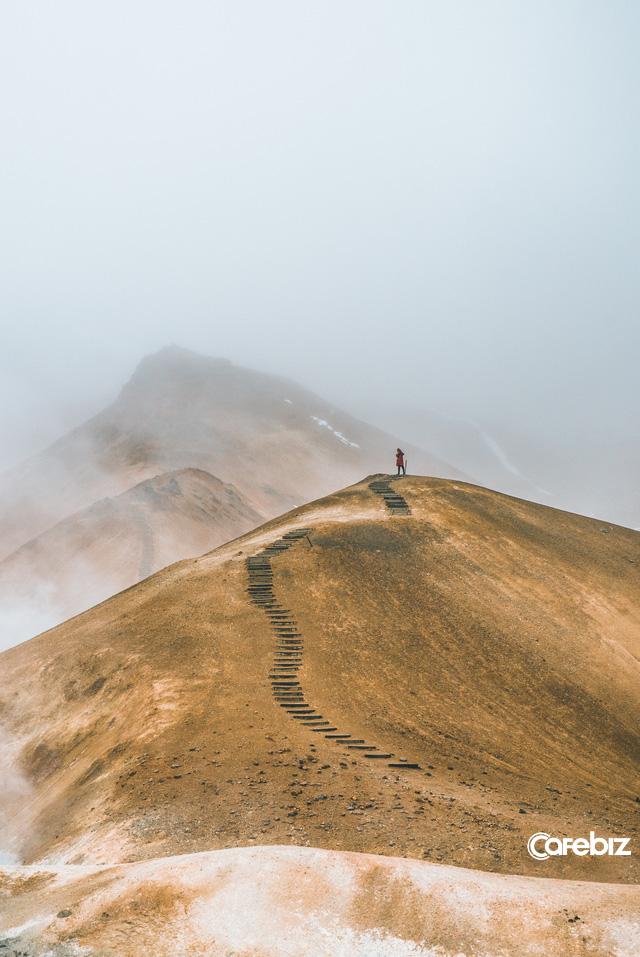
x=541, y=846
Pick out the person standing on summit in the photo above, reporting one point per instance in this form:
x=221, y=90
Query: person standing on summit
x=400, y=462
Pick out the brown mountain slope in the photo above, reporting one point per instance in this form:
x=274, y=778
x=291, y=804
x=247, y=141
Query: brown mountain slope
x=492, y=642
x=276, y=443
x=118, y=541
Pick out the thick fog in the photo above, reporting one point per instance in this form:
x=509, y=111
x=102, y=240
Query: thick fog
x=430, y=204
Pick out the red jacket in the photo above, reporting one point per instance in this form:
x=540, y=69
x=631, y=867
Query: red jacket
x=399, y=458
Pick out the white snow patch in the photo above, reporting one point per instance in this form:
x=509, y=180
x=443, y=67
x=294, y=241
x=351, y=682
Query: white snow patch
x=338, y=435
x=288, y=401
x=500, y=454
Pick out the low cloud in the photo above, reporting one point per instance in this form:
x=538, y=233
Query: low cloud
x=14, y=794
x=23, y=619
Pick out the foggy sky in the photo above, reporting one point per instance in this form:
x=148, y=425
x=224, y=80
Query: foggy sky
x=432, y=202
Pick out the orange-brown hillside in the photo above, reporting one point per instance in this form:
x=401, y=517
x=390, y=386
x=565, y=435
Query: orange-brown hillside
x=492, y=642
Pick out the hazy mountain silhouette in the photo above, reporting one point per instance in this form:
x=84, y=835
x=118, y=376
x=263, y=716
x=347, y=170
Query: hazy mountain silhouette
x=264, y=440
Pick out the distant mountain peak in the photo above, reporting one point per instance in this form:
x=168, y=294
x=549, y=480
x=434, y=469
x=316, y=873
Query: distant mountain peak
x=175, y=369
x=178, y=358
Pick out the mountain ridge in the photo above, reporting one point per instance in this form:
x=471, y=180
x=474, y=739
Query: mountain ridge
x=445, y=636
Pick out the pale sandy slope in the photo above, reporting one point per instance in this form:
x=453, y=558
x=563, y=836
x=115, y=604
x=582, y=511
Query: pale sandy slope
x=290, y=902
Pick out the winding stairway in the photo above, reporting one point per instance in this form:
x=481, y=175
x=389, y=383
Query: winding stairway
x=394, y=502
x=289, y=644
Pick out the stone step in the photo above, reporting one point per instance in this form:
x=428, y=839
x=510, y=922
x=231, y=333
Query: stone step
x=377, y=755
x=403, y=764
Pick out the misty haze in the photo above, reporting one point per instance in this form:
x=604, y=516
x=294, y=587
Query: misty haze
x=248, y=251
x=196, y=451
